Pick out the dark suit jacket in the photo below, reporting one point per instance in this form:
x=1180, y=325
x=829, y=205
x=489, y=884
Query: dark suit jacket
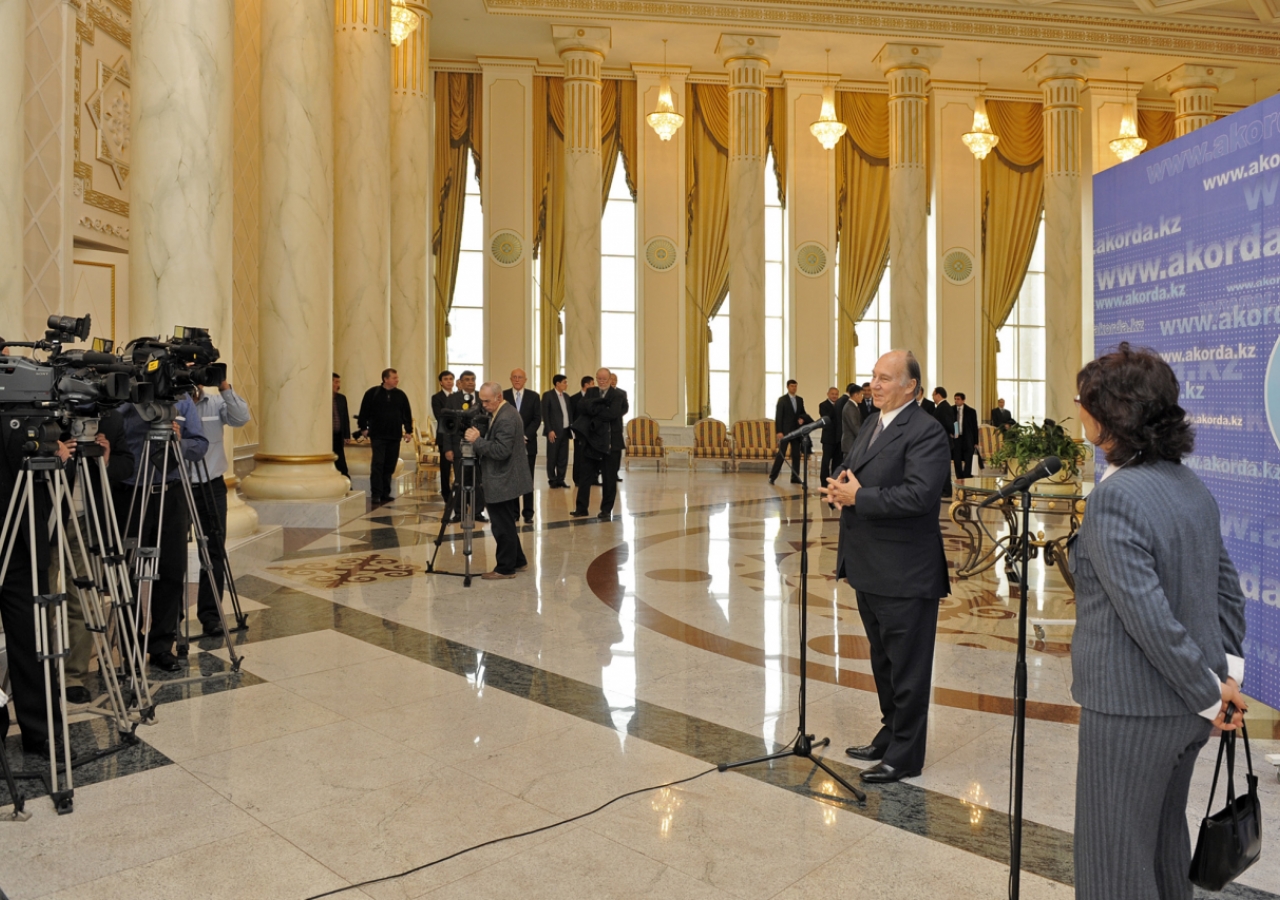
x=530, y=413
x=618, y=397
x=929, y=406
x=1001, y=418
x=595, y=418
x=552, y=418
x=438, y=400
x=891, y=540
x=830, y=431
x=344, y=415
x=969, y=436
x=867, y=408
x=945, y=413
x=787, y=420
x=452, y=442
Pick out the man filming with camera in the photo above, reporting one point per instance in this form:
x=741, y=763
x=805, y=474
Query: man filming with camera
x=505, y=466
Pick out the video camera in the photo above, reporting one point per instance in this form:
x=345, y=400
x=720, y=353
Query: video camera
x=67, y=379
x=457, y=421
x=174, y=367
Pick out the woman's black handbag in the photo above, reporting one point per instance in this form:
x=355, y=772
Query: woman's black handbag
x=1230, y=839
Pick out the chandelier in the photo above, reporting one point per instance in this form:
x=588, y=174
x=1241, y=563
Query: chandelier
x=1128, y=144
x=403, y=21
x=828, y=129
x=665, y=120
x=981, y=140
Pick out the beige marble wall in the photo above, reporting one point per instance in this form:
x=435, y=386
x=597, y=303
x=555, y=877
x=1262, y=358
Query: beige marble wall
x=506, y=178
x=245, y=210
x=906, y=67
x=957, y=224
x=362, y=193
x=811, y=218
x=410, y=212
x=13, y=35
x=660, y=213
x=181, y=180
x=295, y=458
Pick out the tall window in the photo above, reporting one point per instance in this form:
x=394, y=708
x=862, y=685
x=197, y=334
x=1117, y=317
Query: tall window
x=1020, y=360
x=775, y=320
x=618, y=280
x=873, y=333
x=466, y=318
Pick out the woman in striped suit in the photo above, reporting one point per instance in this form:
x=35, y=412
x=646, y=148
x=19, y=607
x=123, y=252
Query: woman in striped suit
x=1156, y=653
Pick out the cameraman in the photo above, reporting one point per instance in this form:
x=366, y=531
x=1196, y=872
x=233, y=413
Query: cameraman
x=502, y=455
x=209, y=488
x=464, y=399
x=168, y=592
x=385, y=418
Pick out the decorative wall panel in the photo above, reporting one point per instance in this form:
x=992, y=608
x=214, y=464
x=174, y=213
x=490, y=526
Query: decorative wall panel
x=100, y=123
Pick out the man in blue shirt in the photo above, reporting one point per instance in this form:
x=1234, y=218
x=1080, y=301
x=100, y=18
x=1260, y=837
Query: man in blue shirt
x=168, y=590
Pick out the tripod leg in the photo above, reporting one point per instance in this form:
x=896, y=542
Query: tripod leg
x=206, y=565
x=50, y=656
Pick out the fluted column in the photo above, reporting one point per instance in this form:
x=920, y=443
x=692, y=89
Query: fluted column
x=13, y=37
x=746, y=57
x=583, y=51
x=410, y=211
x=1193, y=89
x=362, y=192
x=906, y=67
x=1061, y=79
x=181, y=175
x=295, y=458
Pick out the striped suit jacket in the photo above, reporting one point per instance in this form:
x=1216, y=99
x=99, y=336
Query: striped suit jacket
x=1158, y=601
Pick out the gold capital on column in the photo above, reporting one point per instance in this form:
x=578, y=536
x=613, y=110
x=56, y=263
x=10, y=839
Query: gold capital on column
x=906, y=68
x=363, y=15
x=410, y=59
x=582, y=50
x=1194, y=88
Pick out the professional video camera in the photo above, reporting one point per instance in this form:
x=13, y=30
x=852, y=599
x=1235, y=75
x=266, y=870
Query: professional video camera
x=175, y=366
x=457, y=421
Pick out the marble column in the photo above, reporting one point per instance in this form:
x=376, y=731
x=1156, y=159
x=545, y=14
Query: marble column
x=1061, y=79
x=746, y=57
x=13, y=37
x=1193, y=88
x=583, y=50
x=181, y=174
x=295, y=458
x=906, y=67
x=362, y=193
x=410, y=212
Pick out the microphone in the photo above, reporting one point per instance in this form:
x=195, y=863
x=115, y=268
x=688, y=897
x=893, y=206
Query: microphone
x=1049, y=466
x=803, y=430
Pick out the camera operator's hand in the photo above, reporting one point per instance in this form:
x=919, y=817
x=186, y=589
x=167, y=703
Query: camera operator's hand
x=224, y=386
x=448, y=454
x=177, y=428
x=101, y=441
x=65, y=450
x=471, y=434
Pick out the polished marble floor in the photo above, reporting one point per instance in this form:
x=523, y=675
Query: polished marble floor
x=385, y=717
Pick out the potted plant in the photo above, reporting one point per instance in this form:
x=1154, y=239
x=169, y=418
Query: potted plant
x=1026, y=445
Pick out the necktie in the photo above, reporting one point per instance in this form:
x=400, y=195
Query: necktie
x=876, y=434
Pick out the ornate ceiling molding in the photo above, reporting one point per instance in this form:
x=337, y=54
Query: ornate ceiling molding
x=1036, y=26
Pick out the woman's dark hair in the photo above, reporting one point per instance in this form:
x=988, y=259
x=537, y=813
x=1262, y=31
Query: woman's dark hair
x=1133, y=395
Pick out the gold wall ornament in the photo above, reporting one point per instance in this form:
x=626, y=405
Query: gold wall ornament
x=109, y=111
x=664, y=120
x=404, y=21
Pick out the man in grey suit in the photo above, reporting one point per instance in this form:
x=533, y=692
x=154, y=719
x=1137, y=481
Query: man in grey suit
x=505, y=466
x=889, y=491
x=851, y=419
x=556, y=417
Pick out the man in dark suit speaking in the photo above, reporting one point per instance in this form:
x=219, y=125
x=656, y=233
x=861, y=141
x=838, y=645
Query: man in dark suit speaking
x=889, y=491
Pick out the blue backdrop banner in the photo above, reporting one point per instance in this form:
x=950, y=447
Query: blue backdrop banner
x=1187, y=262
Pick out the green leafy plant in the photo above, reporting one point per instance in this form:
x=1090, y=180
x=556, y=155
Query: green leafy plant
x=1027, y=444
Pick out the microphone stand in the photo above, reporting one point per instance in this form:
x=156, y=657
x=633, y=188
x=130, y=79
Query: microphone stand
x=804, y=744
x=1020, y=700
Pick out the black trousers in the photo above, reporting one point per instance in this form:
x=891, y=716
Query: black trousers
x=211, y=507
x=831, y=458
x=527, y=500
x=557, y=459
x=340, y=451
x=26, y=674
x=510, y=554
x=455, y=501
x=382, y=466
x=446, y=475
x=796, y=462
x=962, y=456
x=588, y=470
x=168, y=592
x=901, y=631
x=579, y=454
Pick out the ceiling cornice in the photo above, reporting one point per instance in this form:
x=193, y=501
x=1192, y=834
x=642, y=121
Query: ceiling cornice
x=1199, y=38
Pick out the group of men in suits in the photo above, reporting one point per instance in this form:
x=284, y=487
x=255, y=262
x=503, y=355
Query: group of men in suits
x=960, y=421
x=560, y=418
x=844, y=414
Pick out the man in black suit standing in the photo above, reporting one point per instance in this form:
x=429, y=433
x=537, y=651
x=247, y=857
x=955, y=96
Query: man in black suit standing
x=464, y=398
x=555, y=425
x=946, y=416
x=865, y=406
x=618, y=440
x=889, y=492
x=1001, y=418
x=579, y=441
x=438, y=401
x=964, y=439
x=341, y=425
x=830, y=433
x=529, y=405
x=599, y=413
x=386, y=419
x=787, y=417
x=924, y=402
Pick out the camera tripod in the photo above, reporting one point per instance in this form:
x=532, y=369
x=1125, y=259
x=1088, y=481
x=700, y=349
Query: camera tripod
x=465, y=492
x=217, y=534
x=19, y=812
x=163, y=442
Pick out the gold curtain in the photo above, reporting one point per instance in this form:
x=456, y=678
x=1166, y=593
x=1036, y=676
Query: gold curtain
x=458, y=132
x=1013, y=200
x=617, y=137
x=707, y=259
x=776, y=135
x=1156, y=125
x=862, y=214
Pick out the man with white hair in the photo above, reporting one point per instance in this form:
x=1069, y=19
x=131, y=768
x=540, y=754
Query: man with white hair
x=505, y=467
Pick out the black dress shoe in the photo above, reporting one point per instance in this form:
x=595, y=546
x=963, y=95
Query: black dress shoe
x=882, y=773
x=35, y=746
x=797, y=481
x=215, y=630
x=166, y=662
x=870, y=752
x=577, y=514
x=528, y=520
x=482, y=518
x=771, y=480
x=605, y=517
x=79, y=694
